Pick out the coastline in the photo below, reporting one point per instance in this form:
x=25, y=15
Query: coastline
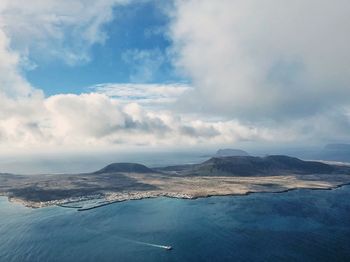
x=119, y=182
x=112, y=198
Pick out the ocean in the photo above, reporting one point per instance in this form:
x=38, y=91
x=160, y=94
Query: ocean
x=300, y=225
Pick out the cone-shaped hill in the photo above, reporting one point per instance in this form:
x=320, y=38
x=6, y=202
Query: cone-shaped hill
x=125, y=168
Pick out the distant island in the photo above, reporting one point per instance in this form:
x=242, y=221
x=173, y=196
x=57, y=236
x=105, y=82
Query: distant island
x=334, y=152
x=218, y=176
x=230, y=152
x=340, y=147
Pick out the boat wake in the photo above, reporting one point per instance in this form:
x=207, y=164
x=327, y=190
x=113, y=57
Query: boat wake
x=150, y=244
x=138, y=242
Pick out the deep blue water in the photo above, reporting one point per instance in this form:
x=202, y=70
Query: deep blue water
x=301, y=225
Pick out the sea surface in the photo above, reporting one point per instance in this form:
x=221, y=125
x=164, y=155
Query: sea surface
x=300, y=225
x=57, y=163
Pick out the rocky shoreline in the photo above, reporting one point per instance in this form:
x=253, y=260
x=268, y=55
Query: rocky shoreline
x=111, y=198
x=222, y=176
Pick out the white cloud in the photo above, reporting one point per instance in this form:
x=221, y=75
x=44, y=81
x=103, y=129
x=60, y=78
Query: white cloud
x=11, y=81
x=262, y=60
x=247, y=78
x=98, y=120
x=144, y=64
x=56, y=29
x=151, y=95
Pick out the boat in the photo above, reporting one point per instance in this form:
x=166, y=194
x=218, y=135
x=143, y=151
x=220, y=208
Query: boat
x=168, y=247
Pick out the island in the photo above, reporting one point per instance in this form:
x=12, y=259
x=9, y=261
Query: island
x=218, y=176
x=230, y=152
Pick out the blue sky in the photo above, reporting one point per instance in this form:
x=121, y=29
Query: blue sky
x=88, y=74
x=137, y=27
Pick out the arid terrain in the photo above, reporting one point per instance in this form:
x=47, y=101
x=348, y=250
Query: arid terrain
x=217, y=176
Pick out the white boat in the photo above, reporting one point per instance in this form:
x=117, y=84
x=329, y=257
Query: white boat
x=168, y=247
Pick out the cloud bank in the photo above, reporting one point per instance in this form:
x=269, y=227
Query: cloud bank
x=264, y=60
x=260, y=71
x=98, y=120
x=110, y=114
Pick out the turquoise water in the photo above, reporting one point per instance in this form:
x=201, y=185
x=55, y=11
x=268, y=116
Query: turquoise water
x=301, y=225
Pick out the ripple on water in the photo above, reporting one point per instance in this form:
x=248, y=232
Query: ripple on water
x=301, y=225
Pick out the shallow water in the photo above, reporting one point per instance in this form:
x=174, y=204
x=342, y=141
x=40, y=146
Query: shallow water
x=301, y=225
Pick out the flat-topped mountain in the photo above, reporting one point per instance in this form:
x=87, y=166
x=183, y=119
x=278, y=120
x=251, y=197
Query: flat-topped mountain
x=125, y=168
x=230, y=152
x=256, y=166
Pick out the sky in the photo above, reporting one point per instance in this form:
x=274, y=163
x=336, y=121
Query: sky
x=102, y=74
